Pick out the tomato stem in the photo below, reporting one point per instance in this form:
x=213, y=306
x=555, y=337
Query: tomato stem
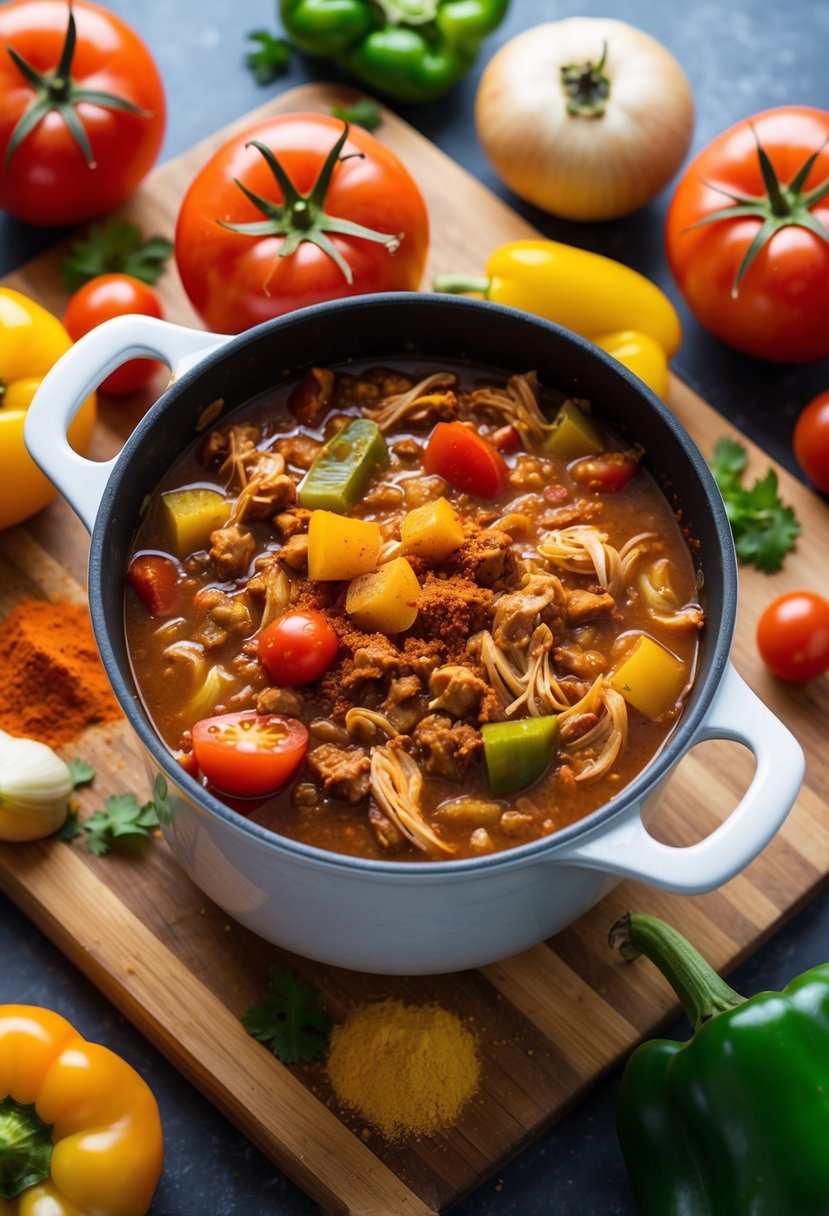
x=586, y=87
x=302, y=217
x=25, y=1148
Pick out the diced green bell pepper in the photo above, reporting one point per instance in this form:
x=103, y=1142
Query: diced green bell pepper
x=518, y=753
x=574, y=434
x=412, y=49
x=342, y=470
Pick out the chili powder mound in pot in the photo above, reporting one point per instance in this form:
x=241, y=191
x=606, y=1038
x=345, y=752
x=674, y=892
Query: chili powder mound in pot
x=407, y=1069
x=52, y=684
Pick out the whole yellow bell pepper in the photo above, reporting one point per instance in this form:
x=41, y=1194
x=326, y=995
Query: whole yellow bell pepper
x=594, y=296
x=31, y=340
x=80, y=1131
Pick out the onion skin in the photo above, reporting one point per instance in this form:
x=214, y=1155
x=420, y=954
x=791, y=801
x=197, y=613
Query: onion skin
x=577, y=167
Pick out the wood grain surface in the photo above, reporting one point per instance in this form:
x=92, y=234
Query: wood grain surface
x=550, y=1021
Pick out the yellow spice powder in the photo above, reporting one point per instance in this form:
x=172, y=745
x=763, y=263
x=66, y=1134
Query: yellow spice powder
x=407, y=1069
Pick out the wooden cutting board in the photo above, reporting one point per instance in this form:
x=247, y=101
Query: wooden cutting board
x=549, y=1022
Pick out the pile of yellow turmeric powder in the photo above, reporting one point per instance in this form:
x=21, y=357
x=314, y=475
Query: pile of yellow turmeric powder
x=407, y=1069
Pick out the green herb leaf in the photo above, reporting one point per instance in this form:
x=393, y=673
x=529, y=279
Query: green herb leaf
x=287, y=1020
x=80, y=772
x=122, y=816
x=364, y=113
x=71, y=828
x=272, y=57
x=764, y=529
x=114, y=247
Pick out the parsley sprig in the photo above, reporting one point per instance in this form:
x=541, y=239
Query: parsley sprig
x=364, y=113
x=114, y=247
x=764, y=529
x=123, y=815
x=271, y=58
x=288, y=1020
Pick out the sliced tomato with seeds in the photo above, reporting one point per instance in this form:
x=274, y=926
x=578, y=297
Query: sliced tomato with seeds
x=155, y=581
x=249, y=755
x=466, y=460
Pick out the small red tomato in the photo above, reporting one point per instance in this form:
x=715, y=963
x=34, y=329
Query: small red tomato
x=101, y=299
x=793, y=636
x=155, y=581
x=248, y=754
x=298, y=647
x=608, y=473
x=811, y=440
x=465, y=459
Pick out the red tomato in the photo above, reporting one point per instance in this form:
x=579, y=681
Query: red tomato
x=811, y=440
x=155, y=581
x=793, y=636
x=49, y=178
x=609, y=472
x=237, y=279
x=465, y=459
x=298, y=647
x=778, y=310
x=249, y=755
x=101, y=299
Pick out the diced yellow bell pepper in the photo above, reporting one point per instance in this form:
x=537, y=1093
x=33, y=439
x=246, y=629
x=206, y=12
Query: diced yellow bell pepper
x=339, y=547
x=386, y=599
x=651, y=678
x=432, y=531
x=190, y=516
x=574, y=434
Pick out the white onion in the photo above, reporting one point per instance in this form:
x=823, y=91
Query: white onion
x=576, y=166
x=35, y=786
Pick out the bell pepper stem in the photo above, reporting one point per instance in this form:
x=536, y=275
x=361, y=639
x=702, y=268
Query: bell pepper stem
x=702, y=992
x=462, y=284
x=25, y=1148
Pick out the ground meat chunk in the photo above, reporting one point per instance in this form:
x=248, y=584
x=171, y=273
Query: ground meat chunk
x=485, y=559
x=294, y=552
x=541, y=601
x=298, y=450
x=446, y=749
x=452, y=609
x=580, y=512
x=386, y=833
x=343, y=772
x=586, y=664
x=231, y=550
x=402, y=689
x=456, y=690
x=406, y=449
x=266, y=493
x=584, y=606
x=289, y=523
x=218, y=444
x=283, y=701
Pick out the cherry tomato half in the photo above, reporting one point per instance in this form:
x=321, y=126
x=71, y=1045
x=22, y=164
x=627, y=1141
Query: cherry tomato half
x=811, y=440
x=793, y=636
x=248, y=754
x=101, y=299
x=465, y=459
x=298, y=647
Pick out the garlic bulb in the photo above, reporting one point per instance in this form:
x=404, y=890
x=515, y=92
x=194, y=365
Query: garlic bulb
x=35, y=787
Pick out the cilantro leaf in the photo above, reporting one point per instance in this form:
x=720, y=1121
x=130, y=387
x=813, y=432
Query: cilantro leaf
x=272, y=58
x=80, y=772
x=764, y=529
x=364, y=113
x=114, y=247
x=287, y=1020
x=71, y=827
x=122, y=816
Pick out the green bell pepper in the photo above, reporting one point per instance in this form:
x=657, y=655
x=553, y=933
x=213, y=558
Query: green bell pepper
x=342, y=469
x=411, y=49
x=735, y=1121
x=518, y=753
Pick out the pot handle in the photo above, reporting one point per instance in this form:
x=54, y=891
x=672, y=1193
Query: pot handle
x=77, y=374
x=627, y=848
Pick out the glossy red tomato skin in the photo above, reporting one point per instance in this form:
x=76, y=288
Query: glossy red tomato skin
x=608, y=473
x=783, y=299
x=101, y=299
x=811, y=440
x=154, y=579
x=249, y=755
x=48, y=181
x=465, y=459
x=793, y=636
x=236, y=281
x=298, y=648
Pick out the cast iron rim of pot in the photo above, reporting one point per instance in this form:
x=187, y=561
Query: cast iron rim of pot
x=380, y=326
